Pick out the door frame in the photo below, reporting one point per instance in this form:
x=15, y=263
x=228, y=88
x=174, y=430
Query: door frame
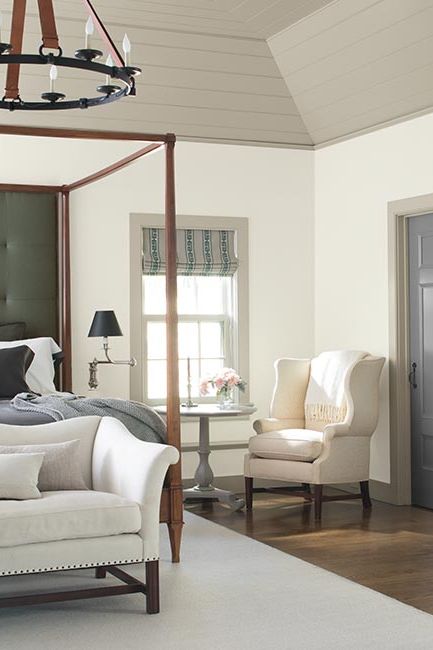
x=399, y=345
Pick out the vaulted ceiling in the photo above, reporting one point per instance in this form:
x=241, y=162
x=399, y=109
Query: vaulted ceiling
x=275, y=72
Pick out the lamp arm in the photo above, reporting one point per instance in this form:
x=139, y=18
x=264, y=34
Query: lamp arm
x=128, y=362
x=93, y=367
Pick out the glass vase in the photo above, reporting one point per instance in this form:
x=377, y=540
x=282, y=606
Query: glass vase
x=225, y=398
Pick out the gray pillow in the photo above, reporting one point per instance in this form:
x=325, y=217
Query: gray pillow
x=61, y=467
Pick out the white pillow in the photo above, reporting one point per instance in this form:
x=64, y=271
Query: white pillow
x=19, y=474
x=40, y=375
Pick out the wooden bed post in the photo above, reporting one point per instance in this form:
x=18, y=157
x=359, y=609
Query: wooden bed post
x=65, y=292
x=173, y=408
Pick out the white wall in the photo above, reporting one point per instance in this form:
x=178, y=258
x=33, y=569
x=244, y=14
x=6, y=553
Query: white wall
x=274, y=189
x=354, y=182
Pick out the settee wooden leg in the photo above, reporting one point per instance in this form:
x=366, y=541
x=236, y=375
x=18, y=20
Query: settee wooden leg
x=365, y=493
x=100, y=572
x=249, y=492
x=175, y=535
x=318, y=494
x=152, y=587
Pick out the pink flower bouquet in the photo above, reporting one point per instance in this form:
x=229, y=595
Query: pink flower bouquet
x=224, y=381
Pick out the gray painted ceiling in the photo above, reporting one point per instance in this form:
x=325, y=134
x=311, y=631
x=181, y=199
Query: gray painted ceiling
x=276, y=72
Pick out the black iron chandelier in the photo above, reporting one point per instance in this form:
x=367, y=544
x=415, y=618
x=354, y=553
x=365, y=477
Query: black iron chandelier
x=119, y=74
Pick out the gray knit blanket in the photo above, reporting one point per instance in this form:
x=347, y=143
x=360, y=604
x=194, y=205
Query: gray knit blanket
x=141, y=420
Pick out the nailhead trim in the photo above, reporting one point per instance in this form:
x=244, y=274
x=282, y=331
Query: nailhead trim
x=78, y=566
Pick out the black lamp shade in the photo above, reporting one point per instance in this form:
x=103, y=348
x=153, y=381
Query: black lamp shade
x=105, y=324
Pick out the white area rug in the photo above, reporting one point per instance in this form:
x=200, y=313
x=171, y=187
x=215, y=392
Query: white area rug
x=229, y=592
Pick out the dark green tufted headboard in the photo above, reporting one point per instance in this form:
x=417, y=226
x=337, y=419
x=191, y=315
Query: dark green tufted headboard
x=28, y=261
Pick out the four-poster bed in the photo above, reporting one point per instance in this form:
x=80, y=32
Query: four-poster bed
x=172, y=500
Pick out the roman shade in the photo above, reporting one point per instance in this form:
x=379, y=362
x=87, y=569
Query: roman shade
x=199, y=252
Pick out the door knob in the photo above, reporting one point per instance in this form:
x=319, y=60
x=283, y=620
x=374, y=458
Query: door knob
x=412, y=376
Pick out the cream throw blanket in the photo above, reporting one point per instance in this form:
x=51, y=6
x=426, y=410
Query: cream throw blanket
x=325, y=401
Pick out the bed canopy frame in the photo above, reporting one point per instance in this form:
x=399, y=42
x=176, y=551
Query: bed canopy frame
x=172, y=497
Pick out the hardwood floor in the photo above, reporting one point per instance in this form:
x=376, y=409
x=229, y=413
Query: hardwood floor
x=389, y=548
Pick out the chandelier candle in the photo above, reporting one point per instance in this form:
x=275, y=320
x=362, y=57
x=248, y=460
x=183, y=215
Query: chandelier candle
x=89, y=32
x=126, y=46
x=109, y=62
x=53, y=77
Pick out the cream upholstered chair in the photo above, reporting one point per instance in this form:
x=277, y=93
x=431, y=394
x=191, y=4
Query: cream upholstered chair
x=301, y=445
x=114, y=522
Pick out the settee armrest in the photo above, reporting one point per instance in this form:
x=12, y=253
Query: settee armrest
x=263, y=425
x=124, y=465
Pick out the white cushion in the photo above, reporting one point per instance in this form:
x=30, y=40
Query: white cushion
x=40, y=375
x=19, y=476
x=83, y=429
x=67, y=515
x=60, y=469
x=288, y=444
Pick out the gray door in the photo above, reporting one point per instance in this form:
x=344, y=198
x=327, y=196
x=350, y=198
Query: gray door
x=421, y=359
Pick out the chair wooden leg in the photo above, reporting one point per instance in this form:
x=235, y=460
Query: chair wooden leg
x=100, y=572
x=249, y=492
x=365, y=493
x=152, y=587
x=318, y=497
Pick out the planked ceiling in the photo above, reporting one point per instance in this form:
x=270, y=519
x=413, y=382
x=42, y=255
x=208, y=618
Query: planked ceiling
x=273, y=72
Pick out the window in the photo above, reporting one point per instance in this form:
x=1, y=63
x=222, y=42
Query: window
x=212, y=302
x=206, y=329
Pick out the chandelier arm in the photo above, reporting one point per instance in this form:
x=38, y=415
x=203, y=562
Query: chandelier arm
x=115, y=54
x=12, y=91
x=50, y=38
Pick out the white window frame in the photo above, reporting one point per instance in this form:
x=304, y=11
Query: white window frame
x=239, y=354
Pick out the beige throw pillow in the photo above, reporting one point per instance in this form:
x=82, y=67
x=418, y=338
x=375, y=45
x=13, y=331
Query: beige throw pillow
x=19, y=476
x=61, y=467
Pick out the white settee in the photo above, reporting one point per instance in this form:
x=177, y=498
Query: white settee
x=115, y=522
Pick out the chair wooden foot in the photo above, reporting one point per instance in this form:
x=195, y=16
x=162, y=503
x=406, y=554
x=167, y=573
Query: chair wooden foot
x=175, y=534
x=318, y=499
x=249, y=492
x=365, y=494
x=100, y=572
x=152, y=587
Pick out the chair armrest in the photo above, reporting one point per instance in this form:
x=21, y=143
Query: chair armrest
x=124, y=465
x=264, y=425
x=337, y=429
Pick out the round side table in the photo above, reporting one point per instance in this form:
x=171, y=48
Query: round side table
x=203, y=474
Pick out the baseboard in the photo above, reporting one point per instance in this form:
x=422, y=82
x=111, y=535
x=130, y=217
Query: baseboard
x=378, y=490
x=383, y=492
x=235, y=483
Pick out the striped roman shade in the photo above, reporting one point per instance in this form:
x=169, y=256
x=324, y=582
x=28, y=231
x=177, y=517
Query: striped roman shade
x=199, y=252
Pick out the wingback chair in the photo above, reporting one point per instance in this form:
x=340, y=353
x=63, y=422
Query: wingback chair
x=300, y=445
x=115, y=521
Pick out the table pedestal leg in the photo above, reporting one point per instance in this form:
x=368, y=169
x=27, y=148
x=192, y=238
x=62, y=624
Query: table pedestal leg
x=204, y=475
